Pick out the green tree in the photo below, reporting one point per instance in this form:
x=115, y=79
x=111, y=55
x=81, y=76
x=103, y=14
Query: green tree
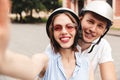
x=51, y=4
x=33, y=4
x=18, y=6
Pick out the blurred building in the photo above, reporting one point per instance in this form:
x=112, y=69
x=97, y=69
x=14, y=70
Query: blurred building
x=77, y=5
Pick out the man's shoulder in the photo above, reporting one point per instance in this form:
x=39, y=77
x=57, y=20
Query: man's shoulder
x=103, y=41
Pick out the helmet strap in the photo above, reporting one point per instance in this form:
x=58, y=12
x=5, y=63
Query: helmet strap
x=98, y=40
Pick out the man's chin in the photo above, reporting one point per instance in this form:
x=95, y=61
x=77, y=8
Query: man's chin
x=87, y=42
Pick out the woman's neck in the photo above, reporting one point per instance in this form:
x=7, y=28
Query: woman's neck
x=68, y=58
x=67, y=54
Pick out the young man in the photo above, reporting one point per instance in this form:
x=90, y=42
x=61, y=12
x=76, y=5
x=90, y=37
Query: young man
x=96, y=19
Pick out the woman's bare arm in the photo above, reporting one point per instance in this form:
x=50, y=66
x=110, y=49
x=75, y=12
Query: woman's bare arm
x=22, y=66
x=4, y=24
x=14, y=64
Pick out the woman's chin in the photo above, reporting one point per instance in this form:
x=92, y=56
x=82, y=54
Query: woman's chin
x=66, y=46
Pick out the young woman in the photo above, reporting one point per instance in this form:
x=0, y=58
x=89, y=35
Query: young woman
x=96, y=19
x=64, y=63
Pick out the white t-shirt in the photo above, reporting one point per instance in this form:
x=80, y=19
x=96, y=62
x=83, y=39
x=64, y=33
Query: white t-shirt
x=101, y=53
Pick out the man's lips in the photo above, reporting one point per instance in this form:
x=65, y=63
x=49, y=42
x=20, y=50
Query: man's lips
x=88, y=35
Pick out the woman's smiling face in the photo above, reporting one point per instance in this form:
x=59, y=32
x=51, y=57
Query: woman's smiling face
x=64, y=31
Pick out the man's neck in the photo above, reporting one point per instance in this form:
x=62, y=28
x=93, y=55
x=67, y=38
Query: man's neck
x=83, y=45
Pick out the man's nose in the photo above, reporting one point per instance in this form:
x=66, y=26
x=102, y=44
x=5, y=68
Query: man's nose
x=93, y=27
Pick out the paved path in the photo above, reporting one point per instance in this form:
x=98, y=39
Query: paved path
x=30, y=39
x=114, y=39
x=114, y=33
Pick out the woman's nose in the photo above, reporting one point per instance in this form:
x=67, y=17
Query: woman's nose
x=64, y=30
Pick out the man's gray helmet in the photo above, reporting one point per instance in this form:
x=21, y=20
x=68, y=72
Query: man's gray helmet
x=60, y=10
x=101, y=8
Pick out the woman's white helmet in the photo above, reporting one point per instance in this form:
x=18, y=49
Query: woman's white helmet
x=101, y=8
x=61, y=10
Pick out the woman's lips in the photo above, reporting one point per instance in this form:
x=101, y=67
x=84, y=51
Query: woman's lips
x=65, y=39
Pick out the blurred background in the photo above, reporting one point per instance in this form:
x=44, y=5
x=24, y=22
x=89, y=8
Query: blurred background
x=33, y=11
x=37, y=11
x=28, y=35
